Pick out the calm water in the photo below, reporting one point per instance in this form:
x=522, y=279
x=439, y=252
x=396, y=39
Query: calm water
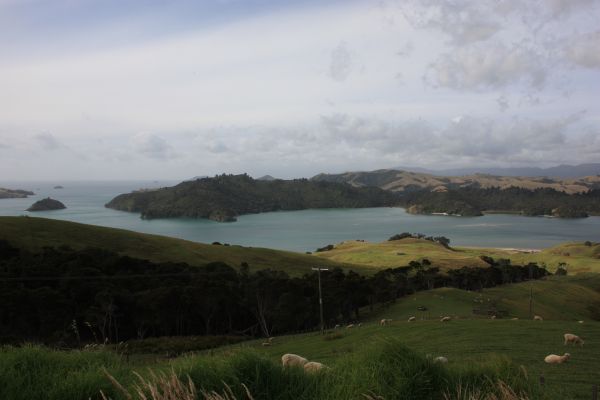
x=301, y=230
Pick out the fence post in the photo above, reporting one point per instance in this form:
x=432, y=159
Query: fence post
x=542, y=380
x=594, y=392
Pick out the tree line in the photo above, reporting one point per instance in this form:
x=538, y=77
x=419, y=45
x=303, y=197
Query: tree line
x=61, y=295
x=472, y=201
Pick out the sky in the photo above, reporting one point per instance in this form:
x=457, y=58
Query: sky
x=117, y=89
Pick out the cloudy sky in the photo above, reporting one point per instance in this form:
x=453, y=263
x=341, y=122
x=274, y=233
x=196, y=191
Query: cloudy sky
x=110, y=89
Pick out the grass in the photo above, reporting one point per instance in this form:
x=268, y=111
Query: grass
x=370, y=360
x=383, y=369
x=35, y=233
x=577, y=256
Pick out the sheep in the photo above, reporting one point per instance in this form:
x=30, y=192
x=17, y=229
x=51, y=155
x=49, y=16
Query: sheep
x=350, y=326
x=337, y=326
x=293, y=360
x=515, y=319
x=445, y=319
x=270, y=340
x=313, y=366
x=571, y=338
x=385, y=322
x=493, y=317
x=554, y=359
x=412, y=319
x=441, y=360
x=581, y=322
x=265, y=344
x=537, y=318
x=360, y=324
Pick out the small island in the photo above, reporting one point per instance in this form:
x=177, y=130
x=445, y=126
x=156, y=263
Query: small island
x=47, y=204
x=59, y=187
x=14, y=194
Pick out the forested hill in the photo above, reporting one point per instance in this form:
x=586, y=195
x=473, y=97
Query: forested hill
x=474, y=201
x=224, y=197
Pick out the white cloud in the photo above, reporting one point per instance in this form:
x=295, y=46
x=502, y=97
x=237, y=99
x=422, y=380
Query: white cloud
x=488, y=66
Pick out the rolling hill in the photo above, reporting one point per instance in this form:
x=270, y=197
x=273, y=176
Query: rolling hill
x=406, y=181
x=35, y=233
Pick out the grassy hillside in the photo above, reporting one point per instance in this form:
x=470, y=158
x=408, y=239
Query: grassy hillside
x=579, y=258
x=34, y=233
x=404, y=181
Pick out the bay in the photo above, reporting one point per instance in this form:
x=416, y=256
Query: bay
x=300, y=230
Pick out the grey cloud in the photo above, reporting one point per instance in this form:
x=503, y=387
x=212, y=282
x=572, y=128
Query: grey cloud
x=341, y=62
x=585, y=50
x=464, y=22
x=502, y=102
x=153, y=146
x=487, y=66
x=48, y=141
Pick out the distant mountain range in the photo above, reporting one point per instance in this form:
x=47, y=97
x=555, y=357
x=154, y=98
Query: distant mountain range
x=560, y=171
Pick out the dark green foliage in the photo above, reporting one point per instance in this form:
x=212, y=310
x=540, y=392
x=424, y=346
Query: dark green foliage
x=72, y=297
x=471, y=201
x=46, y=205
x=224, y=197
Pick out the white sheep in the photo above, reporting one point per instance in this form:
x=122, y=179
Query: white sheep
x=515, y=319
x=412, y=319
x=581, y=322
x=265, y=344
x=385, y=322
x=441, y=360
x=270, y=340
x=537, y=318
x=445, y=319
x=313, y=366
x=554, y=359
x=493, y=317
x=293, y=360
x=571, y=338
x=350, y=326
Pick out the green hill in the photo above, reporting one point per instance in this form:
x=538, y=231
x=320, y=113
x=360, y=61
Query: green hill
x=578, y=257
x=224, y=197
x=35, y=233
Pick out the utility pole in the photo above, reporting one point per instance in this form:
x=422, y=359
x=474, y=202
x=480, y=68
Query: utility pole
x=530, y=293
x=321, y=297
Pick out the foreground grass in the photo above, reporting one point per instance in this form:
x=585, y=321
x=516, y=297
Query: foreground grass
x=35, y=233
x=384, y=369
x=577, y=256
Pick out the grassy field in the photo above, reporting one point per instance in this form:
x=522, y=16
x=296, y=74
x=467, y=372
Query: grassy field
x=34, y=233
x=388, y=361
x=579, y=258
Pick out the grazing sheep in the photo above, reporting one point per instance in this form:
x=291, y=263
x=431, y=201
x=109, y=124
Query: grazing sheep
x=270, y=340
x=570, y=338
x=515, y=319
x=412, y=319
x=554, y=359
x=385, y=322
x=537, y=318
x=441, y=360
x=266, y=344
x=293, y=360
x=313, y=366
x=581, y=322
x=350, y=326
x=493, y=317
x=445, y=319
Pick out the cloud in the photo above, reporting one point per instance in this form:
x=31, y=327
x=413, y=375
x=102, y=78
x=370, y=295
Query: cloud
x=488, y=67
x=48, y=141
x=585, y=50
x=341, y=62
x=502, y=102
x=153, y=146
